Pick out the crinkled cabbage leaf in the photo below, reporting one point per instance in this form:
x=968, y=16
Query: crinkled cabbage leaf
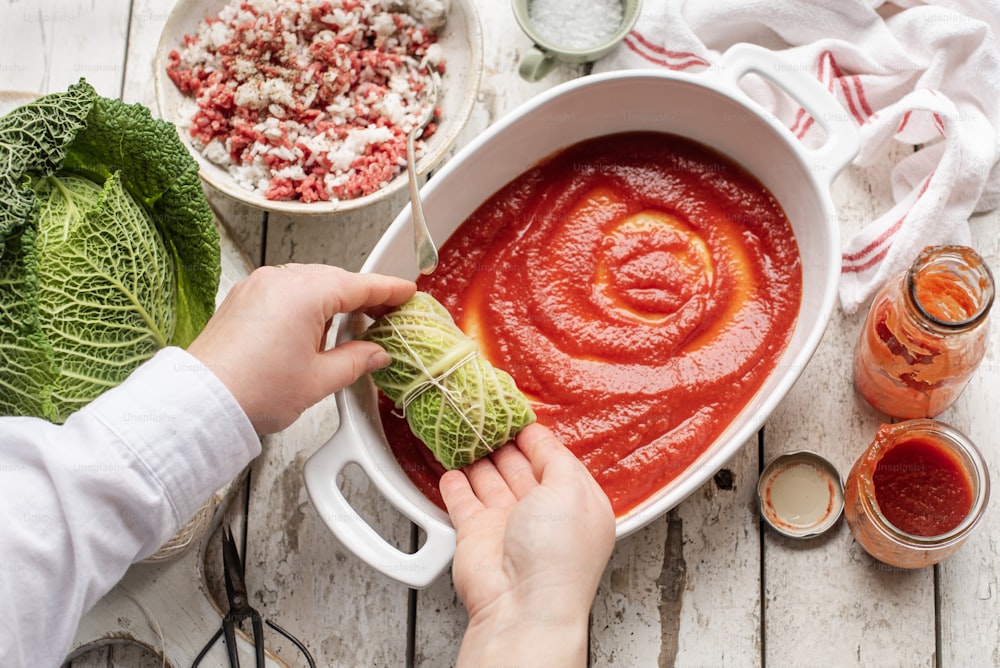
x=108, y=249
x=456, y=402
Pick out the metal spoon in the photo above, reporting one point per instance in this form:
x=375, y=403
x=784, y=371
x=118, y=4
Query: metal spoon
x=427, y=255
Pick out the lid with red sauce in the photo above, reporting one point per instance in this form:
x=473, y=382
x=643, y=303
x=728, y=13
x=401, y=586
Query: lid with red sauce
x=800, y=494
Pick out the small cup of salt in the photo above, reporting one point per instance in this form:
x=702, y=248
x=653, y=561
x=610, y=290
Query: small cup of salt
x=571, y=31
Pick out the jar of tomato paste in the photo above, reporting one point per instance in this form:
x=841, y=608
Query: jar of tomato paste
x=925, y=334
x=916, y=493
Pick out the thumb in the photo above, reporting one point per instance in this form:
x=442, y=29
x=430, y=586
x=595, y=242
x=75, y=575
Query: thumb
x=341, y=366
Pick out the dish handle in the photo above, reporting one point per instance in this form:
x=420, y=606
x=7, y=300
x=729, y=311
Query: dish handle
x=841, y=144
x=418, y=569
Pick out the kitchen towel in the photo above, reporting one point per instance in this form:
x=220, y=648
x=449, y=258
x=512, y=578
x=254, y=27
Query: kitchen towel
x=926, y=74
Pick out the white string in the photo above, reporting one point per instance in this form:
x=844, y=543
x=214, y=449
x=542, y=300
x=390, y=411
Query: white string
x=425, y=385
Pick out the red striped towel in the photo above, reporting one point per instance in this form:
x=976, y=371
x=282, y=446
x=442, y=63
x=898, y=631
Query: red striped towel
x=925, y=74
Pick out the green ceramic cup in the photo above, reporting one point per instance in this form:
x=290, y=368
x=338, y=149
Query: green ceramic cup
x=544, y=54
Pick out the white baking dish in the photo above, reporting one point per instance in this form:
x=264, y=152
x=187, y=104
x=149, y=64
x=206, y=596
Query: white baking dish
x=710, y=108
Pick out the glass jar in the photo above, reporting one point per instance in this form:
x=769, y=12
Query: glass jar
x=930, y=479
x=925, y=334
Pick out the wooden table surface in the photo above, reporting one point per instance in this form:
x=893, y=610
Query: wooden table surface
x=703, y=585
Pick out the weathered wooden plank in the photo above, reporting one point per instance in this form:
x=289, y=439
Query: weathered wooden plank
x=45, y=47
x=343, y=240
x=684, y=591
x=969, y=617
x=305, y=579
x=881, y=615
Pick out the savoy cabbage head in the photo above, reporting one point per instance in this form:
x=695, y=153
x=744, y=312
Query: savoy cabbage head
x=108, y=249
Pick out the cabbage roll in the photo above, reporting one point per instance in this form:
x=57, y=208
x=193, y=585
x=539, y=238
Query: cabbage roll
x=454, y=400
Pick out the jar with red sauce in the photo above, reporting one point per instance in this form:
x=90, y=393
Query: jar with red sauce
x=916, y=493
x=925, y=334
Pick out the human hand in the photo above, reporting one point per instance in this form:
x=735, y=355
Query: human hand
x=266, y=342
x=534, y=534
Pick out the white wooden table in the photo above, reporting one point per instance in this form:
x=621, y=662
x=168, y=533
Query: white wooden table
x=704, y=585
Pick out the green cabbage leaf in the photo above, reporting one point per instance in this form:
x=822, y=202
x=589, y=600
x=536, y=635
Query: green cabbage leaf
x=456, y=402
x=108, y=249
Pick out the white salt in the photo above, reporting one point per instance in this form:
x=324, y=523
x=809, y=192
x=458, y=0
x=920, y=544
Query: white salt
x=575, y=24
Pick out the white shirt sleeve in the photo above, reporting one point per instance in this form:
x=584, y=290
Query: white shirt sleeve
x=80, y=502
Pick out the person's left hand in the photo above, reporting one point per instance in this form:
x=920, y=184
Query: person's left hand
x=267, y=340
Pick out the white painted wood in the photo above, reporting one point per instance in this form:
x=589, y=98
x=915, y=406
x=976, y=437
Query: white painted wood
x=684, y=590
x=46, y=46
x=305, y=579
x=826, y=601
x=969, y=581
x=343, y=240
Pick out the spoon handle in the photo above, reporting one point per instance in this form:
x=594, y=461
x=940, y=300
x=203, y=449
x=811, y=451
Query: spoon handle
x=427, y=255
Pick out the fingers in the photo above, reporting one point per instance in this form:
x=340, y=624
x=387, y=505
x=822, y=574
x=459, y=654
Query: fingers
x=334, y=290
x=492, y=482
x=509, y=473
x=515, y=469
x=459, y=499
x=541, y=447
x=488, y=484
x=342, y=291
x=341, y=366
x=552, y=462
x=345, y=291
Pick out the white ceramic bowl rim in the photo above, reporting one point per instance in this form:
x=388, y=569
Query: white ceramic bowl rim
x=800, y=180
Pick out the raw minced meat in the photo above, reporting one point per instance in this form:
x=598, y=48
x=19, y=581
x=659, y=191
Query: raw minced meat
x=310, y=99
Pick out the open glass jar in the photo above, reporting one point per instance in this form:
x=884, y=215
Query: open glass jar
x=916, y=493
x=925, y=334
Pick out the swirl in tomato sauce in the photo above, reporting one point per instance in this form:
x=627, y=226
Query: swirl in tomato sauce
x=639, y=288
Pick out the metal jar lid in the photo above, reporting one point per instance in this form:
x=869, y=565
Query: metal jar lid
x=800, y=494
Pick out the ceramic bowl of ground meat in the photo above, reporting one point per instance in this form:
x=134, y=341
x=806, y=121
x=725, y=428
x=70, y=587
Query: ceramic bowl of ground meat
x=304, y=106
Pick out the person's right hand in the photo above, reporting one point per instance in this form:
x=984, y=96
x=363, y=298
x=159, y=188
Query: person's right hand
x=267, y=340
x=534, y=534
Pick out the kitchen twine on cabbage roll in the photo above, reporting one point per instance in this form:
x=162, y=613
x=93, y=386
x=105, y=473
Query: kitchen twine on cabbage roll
x=413, y=393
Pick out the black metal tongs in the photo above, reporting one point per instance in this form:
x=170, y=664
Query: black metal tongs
x=240, y=610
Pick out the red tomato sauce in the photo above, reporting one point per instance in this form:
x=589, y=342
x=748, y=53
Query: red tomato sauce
x=639, y=288
x=921, y=488
x=945, y=296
